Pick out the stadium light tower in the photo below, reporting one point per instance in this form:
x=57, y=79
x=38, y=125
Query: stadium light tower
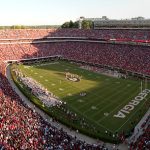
x=80, y=22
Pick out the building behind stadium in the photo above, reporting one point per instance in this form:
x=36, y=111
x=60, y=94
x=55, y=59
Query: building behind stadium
x=137, y=22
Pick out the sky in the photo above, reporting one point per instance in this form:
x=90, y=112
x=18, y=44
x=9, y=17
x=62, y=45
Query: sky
x=56, y=12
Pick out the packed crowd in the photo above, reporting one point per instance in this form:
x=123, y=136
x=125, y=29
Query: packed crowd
x=20, y=126
x=104, y=71
x=23, y=128
x=143, y=141
x=135, y=34
x=24, y=34
x=128, y=57
x=47, y=98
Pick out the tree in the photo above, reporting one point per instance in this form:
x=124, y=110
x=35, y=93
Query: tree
x=87, y=24
x=70, y=24
x=65, y=25
x=18, y=27
x=76, y=24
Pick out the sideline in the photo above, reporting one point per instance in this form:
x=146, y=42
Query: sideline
x=79, y=136
x=138, y=130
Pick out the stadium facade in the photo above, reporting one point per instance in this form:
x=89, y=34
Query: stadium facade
x=104, y=22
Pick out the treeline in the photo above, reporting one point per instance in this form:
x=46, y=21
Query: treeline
x=85, y=24
x=29, y=27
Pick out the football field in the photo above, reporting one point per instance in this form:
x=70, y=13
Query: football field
x=112, y=104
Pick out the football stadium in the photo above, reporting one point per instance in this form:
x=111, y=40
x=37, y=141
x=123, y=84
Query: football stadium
x=100, y=89
x=68, y=88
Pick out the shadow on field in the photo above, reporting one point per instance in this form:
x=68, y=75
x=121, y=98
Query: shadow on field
x=97, y=100
x=88, y=106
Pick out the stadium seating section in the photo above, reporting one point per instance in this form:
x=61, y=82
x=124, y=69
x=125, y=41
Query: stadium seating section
x=20, y=126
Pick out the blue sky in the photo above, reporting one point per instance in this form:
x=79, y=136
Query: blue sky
x=32, y=12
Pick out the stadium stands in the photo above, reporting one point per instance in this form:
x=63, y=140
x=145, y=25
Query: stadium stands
x=114, y=55
x=135, y=34
x=143, y=142
x=21, y=127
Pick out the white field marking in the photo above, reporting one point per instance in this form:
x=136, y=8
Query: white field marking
x=21, y=85
x=118, y=82
x=92, y=93
x=104, y=89
x=116, y=93
x=69, y=94
x=131, y=116
x=64, y=92
x=114, y=109
x=113, y=103
x=35, y=73
x=80, y=100
x=47, y=64
x=26, y=67
x=90, y=118
x=60, y=89
x=99, y=124
x=94, y=121
x=46, y=80
x=106, y=114
x=93, y=107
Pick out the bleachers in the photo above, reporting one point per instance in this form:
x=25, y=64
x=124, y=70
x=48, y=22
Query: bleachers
x=143, y=141
x=136, y=34
x=21, y=127
x=114, y=55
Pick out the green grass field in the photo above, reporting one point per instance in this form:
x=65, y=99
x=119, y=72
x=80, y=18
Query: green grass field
x=105, y=95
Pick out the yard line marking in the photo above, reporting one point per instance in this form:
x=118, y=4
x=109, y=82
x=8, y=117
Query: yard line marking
x=46, y=64
x=93, y=107
x=92, y=94
x=80, y=100
x=60, y=89
x=103, y=89
x=69, y=94
x=91, y=120
x=117, y=106
x=131, y=116
x=101, y=97
x=113, y=102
